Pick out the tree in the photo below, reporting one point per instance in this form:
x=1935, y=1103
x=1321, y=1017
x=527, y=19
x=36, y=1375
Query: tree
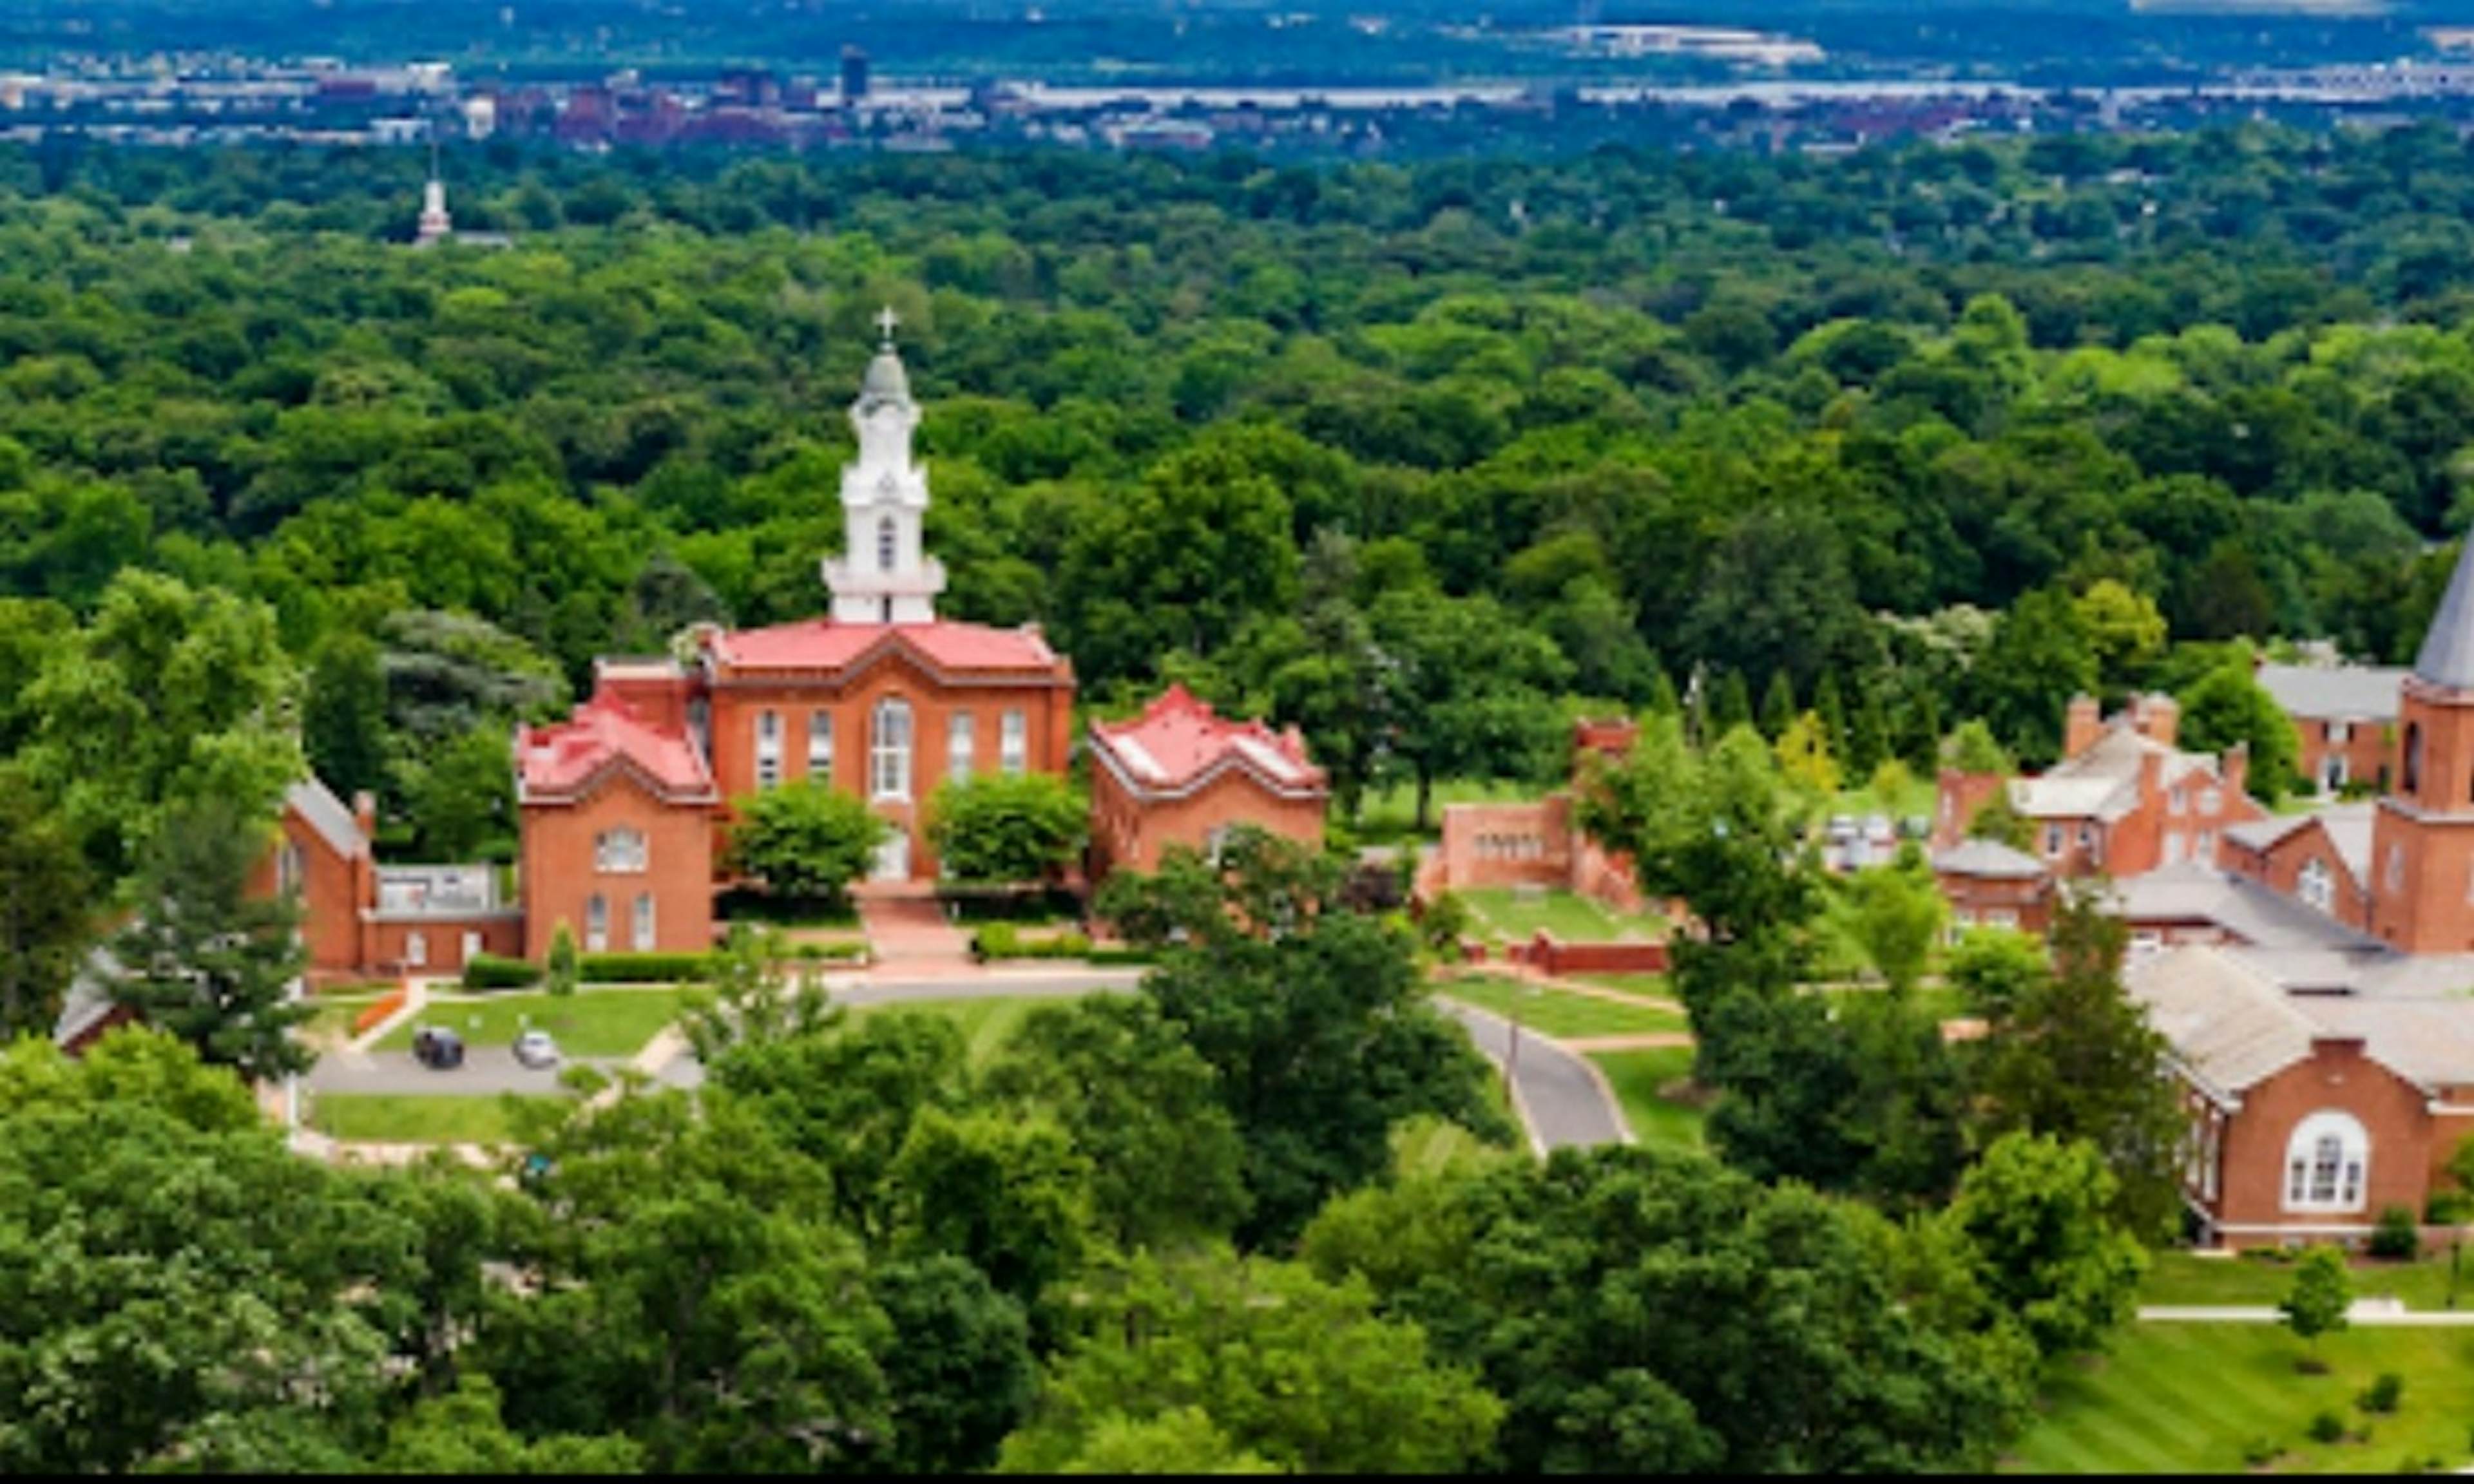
x=1993, y=968
x=464, y=797
x=1315, y=1018
x=169, y=694
x=2227, y=709
x=2038, y=659
x=1181, y=1440
x=958, y=1372
x=1778, y=706
x=2075, y=1058
x=203, y=957
x=2318, y=1302
x=2037, y=1213
x=1465, y=687
x=1899, y=913
x=1804, y=760
x=1299, y=1372
x=1972, y=748
x=562, y=969
x=1999, y=820
x=1006, y=828
x=46, y=913
x=745, y=996
x=1166, y=1158
x=2124, y=632
x=1642, y=1312
x=1012, y=1197
x=462, y=1433
x=343, y=715
x=805, y=840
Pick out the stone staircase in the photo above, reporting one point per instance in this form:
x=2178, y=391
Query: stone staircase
x=907, y=930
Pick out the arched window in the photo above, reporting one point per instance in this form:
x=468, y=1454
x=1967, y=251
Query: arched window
x=2412, y=756
x=887, y=541
x=2327, y=1163
x=889, y=750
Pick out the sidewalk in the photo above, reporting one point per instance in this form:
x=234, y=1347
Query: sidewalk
x=2371, y=1313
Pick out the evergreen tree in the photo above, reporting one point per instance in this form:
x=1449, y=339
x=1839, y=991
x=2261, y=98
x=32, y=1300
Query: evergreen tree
x=1663, y=701
x=1832, y=712
x=1868, y=736
x=205, y=959
x=1731, y=707
x=1777, y=706
x=1920, y=735
x=343, y=715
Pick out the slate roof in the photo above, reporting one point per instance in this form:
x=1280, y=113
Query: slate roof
x=1988, y=860
x=2347, y=826
x=2342, y=692
x=317, y=804
x=2238, y=1016
x=2195, y=892
x=2102, y=781
x=2447, y=654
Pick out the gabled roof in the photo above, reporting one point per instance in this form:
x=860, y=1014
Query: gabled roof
x=2231, y=1027
x=2239, y=1016
x=326, y=814
x=2447, y=654
x=2347, y=826
x=562, y=758
x=1179, y=743
x=2102, y=781
x=2195, y=891
x=822, y=644
x=1988, y=860
x=2338, y=693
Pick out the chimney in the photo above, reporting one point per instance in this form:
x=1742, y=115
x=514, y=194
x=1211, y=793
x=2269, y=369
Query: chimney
x=2234, y=764
x=2081, y=726
x=365, y=813
x=2160, y=718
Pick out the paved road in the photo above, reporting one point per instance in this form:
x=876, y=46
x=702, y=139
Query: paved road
x=2364, y=1311
x=1567, y=1107
x=486, y=1069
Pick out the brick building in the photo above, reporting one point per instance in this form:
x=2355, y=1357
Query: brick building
x=360, y=919
x=1988, y=884
x=1181, y=774
x=1536, y=843
x=2345, y=720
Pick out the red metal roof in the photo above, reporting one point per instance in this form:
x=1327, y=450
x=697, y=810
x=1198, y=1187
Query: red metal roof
x=822, y=644
x=563, y=756
x=1178, y=739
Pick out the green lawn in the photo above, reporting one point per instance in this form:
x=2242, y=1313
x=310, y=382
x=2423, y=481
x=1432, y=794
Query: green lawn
x=1657, y=1122
x=416, y=1117
x=2192, y=1397
x=985, y=1023
x=1918, y=797
x=2186, y=1277
x=1942, y=1000
x=1508, y=912
x=589, y=1022
x=332, y=1019
x=1649, y=985
x=1389, y=814
x=1561, y=1012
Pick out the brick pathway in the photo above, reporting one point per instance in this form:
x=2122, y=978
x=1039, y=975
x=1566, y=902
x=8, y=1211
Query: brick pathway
x=909, y=934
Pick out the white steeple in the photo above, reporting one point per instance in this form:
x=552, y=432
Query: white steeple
x=884, y=575
x=435, y=224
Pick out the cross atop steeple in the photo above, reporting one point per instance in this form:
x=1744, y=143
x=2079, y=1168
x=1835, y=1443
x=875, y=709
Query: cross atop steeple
x=885, y=320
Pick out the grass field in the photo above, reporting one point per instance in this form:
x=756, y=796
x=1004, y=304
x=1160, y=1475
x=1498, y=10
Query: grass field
x=1650, y=986
x=2183, y=1278
x=1561, y=1012
x=332, y=1021
x=414, y=1118
x=1657, y=1122
x=589, y=1022
x=1389, y=814
x=985, y=1023
x=1504, y=912
x=2195, y=1397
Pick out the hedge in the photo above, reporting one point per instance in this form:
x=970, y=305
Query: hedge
x=644, y=967
x=1004, y=941
x=490, y=971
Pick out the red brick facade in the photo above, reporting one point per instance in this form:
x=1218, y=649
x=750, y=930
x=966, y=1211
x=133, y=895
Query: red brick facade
x=1178, y=775
x=2422, y=840
x=2305, y=864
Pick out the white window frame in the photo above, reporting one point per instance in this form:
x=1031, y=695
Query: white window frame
x=621, y=852
x=769, y=749
x=962, y=739
x=2052, y=842
x=640, y=923
x=472, y=946
x=291, y=869
x=416, y=949
x=820, y=747
x=2333, y=772
x=2316, y=885
x=2328, y=1164
x=2338, y=731
x=596, y=924
x=1013, y=741
x=890, y=734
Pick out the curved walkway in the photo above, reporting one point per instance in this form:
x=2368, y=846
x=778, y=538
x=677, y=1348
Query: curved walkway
x=1562, y=1098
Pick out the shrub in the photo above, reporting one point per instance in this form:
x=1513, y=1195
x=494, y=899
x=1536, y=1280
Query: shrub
x=2449, y=1208
x=560, y=972
x=490, y=971
x=1001, y=940
x=2259, y=1452
x=2383, y=1393
x=644, y=967
x=2394, y=1235
x=2327, y=1427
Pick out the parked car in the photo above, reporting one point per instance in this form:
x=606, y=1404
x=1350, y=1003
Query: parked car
x=437, y=1048
x=535, y=1048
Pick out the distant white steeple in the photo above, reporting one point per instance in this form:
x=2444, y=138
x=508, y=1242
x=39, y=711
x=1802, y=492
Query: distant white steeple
x=436, y=225
x=884, y=575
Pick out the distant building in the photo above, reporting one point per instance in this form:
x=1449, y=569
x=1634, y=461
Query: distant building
x=2345, y=720
x=1180, y=774
x=854, y=76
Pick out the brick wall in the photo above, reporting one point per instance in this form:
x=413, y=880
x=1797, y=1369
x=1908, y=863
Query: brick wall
x=559, y=876
x=1551, y=955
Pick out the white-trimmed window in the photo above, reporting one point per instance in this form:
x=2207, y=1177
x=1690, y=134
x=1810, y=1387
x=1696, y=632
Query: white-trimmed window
x=291, y=869
x=2212, y=801
x=889, y=750
x=960, y=736
x=2327, y=1163
x=596, y=924
x=2316, y=886
x=769, y=749
x=820, y=747
x=2396, y=866
x=1013, y=742
x=2208, y=845
x=2339, y=732
x=888, y=544
x=416, y=948
x=641, y=923
x=619, y=851
x=2177, y=847
x=2053, y=840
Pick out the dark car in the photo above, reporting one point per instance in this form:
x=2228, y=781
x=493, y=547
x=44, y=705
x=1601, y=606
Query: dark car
x=437, y=1048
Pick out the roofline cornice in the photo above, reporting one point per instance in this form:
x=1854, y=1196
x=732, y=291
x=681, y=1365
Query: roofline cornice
x=1104, y=748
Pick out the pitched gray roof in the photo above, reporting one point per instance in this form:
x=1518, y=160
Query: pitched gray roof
x=313, y=800
x=2338, y=693
x=1989, y=859
x=2238, y=1016
x=2193, y=892
x=2447, y=657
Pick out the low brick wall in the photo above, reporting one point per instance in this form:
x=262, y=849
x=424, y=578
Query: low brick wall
x=1552, y=955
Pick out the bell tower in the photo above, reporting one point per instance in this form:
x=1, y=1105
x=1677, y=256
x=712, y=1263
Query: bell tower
x=2422, y=839
x=885, y=575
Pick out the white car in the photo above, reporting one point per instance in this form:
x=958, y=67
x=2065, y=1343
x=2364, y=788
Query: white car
x=535, y=1048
